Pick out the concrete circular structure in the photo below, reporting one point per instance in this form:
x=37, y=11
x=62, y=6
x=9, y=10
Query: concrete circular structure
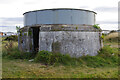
x=68, y=31
x=59, y=16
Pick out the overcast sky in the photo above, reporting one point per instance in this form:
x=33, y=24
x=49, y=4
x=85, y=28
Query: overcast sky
x=11, y=11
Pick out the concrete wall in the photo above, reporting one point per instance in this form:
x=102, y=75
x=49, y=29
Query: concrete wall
x=25, y=40
x=75, y=43
x=76, y=40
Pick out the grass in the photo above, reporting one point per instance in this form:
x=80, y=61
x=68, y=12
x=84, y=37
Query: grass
x=104, y=65
x=24, y=69
x=112, y=36
x=112, y=40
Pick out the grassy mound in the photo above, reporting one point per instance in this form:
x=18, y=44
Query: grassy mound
x=52, y=58
x=107, y=57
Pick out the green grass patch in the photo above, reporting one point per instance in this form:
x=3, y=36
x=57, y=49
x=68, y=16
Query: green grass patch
x=14, y=53
x=10, y=50
x=24, y=69
x=107, y=51
x=47, y=57
x=107, y=57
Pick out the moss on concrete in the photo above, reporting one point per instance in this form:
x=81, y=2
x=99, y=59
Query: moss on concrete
x=56, y=46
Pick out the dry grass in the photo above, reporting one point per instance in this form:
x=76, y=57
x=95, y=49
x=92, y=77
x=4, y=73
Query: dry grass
x=25, y=69
x=112, y=40
x=112, y=35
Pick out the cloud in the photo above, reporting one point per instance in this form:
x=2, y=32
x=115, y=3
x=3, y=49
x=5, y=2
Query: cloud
x=108, y=25
x=31, y=2
x=13, y=21
x=3, y=26
x=84, y=6
x=7, y=1
x=106, y=9
x=107, y=22
x=7, y=28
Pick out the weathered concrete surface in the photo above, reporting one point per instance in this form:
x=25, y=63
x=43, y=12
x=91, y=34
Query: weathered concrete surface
x=25, y=40
x=75, y=43
x=59, y=27
x=76, y=40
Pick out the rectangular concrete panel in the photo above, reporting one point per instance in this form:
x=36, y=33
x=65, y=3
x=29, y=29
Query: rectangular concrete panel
x=74, y=43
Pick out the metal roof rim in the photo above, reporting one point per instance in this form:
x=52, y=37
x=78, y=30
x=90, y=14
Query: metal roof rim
x=60, y=9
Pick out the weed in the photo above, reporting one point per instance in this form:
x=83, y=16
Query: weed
x=25, y=34
x=43, y=56
x=102, y=37
x=96, y=26
x=12, y=38
x=11, y=51
x=47, y=57
x=76, y=28
x=107, y=51
x=29, y=32
x=104, y=58
x=62, y=26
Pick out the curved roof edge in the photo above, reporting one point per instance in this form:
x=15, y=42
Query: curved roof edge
x=60, y=9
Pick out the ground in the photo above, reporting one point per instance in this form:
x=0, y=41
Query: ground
x=26, y=69
x=22, y=68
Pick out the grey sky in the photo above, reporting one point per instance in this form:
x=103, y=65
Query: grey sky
x=107, y=22
x=12, y=10
x=106, y=9
x=13, y=21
